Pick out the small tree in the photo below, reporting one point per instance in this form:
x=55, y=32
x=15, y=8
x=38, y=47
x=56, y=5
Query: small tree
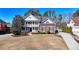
x=17, y=25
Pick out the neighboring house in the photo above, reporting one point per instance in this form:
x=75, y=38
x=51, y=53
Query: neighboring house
x=71, y=23
x=75, y=25
x=4, y=27
x=9, y=27
x=39, y=23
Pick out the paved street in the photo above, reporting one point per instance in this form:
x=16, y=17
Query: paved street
x=70, y=41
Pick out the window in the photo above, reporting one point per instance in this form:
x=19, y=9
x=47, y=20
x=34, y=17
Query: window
x=29, y=22
x=36, y=28
x=36, y=22
x=42, y=29
x=26, y=23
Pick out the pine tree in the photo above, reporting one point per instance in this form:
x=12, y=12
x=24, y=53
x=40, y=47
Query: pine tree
x=46, y=14
x=50, y=13
x=33, y=12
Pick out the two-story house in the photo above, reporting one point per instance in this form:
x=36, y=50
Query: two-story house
x=39, y=23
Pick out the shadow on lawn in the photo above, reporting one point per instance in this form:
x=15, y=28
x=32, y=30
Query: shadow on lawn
x=3, y=33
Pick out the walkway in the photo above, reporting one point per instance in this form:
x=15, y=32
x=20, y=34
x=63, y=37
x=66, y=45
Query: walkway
x=70, y=41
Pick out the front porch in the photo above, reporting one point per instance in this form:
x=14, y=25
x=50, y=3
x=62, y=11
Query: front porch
x=32, y=29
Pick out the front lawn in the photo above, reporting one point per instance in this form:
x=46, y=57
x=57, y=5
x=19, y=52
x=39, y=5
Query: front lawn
x=33, y=42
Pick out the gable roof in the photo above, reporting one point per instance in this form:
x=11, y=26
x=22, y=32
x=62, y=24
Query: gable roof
x=37, y=17
x=1, y=21
x=42, y=19
x=76, y=21
x=46, y=18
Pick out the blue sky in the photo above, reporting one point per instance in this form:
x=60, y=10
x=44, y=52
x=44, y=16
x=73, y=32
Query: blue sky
x=7, y=14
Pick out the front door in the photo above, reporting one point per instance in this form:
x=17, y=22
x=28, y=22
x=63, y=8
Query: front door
x=30, y=29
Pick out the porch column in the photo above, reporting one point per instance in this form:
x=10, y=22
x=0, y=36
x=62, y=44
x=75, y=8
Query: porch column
x=25, y=26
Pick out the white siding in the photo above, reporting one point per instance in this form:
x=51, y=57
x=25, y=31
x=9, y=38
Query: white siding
x=34, y=23
x=71, y=23
x=48, y=22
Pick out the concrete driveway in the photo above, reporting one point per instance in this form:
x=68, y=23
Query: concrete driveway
x=70, y=41
x=76, y=33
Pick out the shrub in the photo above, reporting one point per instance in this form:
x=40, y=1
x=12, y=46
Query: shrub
x=38, y=32
x=67, y=29
x=23, y=33
x=56, y=31
x=48, y=32
x=41, y=32
x=16, y=32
